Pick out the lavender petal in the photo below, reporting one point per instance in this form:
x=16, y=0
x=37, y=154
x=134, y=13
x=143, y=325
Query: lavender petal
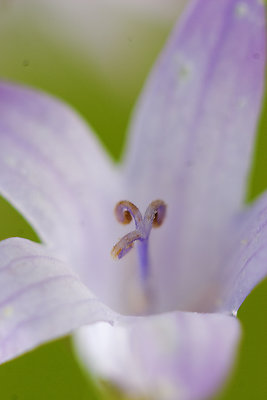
x=40, y=298
x=168, y=356
x=192, y=139
x=56, y=174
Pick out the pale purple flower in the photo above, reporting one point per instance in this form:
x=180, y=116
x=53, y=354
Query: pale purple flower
x=190, y=146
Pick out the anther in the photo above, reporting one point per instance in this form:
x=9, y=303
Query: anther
x=154, y=216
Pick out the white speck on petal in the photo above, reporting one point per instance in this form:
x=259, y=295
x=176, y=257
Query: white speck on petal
x=185, y=69
x=8, y=311
x=234, y=313
x=242, y=102
x=185, y=72
x=10, y=161
x=241, y=9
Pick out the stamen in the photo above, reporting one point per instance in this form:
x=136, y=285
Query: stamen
x=154, y=216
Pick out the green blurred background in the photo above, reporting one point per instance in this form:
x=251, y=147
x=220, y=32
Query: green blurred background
x=31, y=56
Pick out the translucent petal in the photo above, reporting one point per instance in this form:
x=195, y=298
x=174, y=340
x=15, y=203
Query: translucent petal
x=192, y=138
x=58, y=176
x=40, y=298
x=168, y=356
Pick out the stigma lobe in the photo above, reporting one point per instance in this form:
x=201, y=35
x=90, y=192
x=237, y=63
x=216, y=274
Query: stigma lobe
x=157, y=212
x=125, y=212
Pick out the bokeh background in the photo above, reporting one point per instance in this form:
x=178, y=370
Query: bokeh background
x=95, y=55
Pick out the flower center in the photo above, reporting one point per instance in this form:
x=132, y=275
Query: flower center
x=154, y=216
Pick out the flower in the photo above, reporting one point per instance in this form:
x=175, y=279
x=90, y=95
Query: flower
x=171, y=333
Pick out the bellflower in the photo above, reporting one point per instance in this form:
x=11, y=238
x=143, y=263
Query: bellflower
x=161, y=320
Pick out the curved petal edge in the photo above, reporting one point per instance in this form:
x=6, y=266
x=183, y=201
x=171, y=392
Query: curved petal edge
x=168, y=356
x=247, y=264
x=40, y=298
x=193, y=135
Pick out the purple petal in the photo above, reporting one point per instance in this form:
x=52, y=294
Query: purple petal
x=192, y=138
x=55, y=172
x=168, y=356
x=247, y=265
x=40, y=298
